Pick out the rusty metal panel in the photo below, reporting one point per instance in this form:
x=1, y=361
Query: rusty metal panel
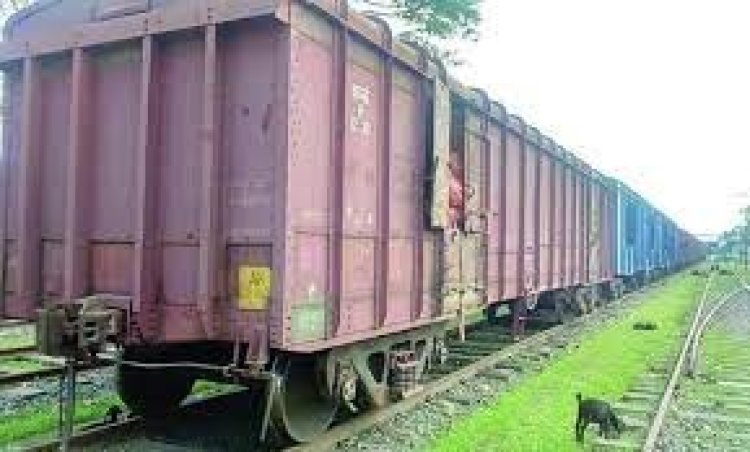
x=581, y=245
x=28, y=218
x=595, y=233
x=432, y=272
x=181, y=78
x=452, y=274
x=310, y=159
x=111, y=268
x=248, y=113
x=406, y=177
x=441, y=141
x=59, y=26
x=401, y=281
x=358, y=286
x=52, y=269
x=116, y=88
x=495, y=214
x=79, y=164
x=545, y=222
x=55, y=89
x=359, y=185
x=570, y=226
x=144, y=293
x=249, y=110
x=12, y=89
x=512, y=217
x=306, y=292
x=530, y=215
x=558, y=240
x=474, y=248
x=129, y=127
x=474, y=147
x=472, y=270
x=609, y=227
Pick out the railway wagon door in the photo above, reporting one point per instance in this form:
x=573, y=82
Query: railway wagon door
x=530, y=190
x=595, y=231
x=474, y=247
x=456, y=190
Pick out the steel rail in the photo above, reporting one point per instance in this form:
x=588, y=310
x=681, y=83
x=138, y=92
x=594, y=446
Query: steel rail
x=331, y=438
x=13, y=351
x=9, y=323
x=695, y=343
x=51, y=370
x=367, y=420
x=91, y=433
x=688, y=346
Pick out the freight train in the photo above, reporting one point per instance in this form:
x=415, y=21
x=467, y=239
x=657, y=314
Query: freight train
x=280, y=194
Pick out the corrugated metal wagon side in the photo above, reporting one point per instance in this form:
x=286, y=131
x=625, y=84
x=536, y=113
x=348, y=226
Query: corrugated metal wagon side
x=146, y=165
x=240, y=183
x=279, y=193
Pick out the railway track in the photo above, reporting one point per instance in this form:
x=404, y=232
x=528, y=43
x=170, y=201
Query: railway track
x=23, y=364
x=716, y=400
x=488, y=353
x=645, y=409
x=16, y=351
x=8, y=323
x=48, y=371
x=477, y=375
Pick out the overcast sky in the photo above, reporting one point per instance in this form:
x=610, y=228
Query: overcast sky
x=656, y=93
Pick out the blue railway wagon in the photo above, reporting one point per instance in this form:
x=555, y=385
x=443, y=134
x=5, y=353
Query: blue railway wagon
x=639, y=237
x=627, y=241
x=658, y=241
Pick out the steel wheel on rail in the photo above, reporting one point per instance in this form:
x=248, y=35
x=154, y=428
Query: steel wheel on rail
x=301, y=410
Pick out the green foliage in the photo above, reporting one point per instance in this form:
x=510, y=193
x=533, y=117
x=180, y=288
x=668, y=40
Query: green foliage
x=443, y=19
x=431, y=23
x=540, y=413
x=11, y=6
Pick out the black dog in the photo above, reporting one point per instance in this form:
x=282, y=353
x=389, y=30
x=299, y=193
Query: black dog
x=597, y=412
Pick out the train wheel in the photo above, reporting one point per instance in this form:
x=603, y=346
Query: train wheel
x=580, y=302
x=593, y=298
x=563, y=313
x=151, y=392
x=300, y=409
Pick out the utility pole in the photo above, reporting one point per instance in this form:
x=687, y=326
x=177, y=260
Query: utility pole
x=745, y=214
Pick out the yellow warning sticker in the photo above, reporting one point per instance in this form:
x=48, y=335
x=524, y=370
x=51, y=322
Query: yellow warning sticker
x=254, y=288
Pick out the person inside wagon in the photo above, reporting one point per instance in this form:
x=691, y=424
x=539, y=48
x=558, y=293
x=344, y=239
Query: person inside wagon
x=455, y=196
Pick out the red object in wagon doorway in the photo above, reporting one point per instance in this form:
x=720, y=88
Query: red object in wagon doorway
x=456, y=194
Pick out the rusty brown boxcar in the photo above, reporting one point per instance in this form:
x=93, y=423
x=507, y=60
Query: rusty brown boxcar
x=267, y=190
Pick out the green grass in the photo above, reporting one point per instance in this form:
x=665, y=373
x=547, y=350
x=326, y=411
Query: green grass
x=16, y=340
x=539, y=415
x=16, y=364
x=31, y=423
x=42, y=421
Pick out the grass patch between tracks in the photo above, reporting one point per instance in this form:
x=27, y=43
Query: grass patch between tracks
x=39, y=422
x=17, y=336
x=539, y=414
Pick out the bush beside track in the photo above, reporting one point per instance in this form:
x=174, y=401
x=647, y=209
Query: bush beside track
x=540, y=413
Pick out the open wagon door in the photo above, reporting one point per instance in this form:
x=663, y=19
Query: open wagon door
x=457, y=202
